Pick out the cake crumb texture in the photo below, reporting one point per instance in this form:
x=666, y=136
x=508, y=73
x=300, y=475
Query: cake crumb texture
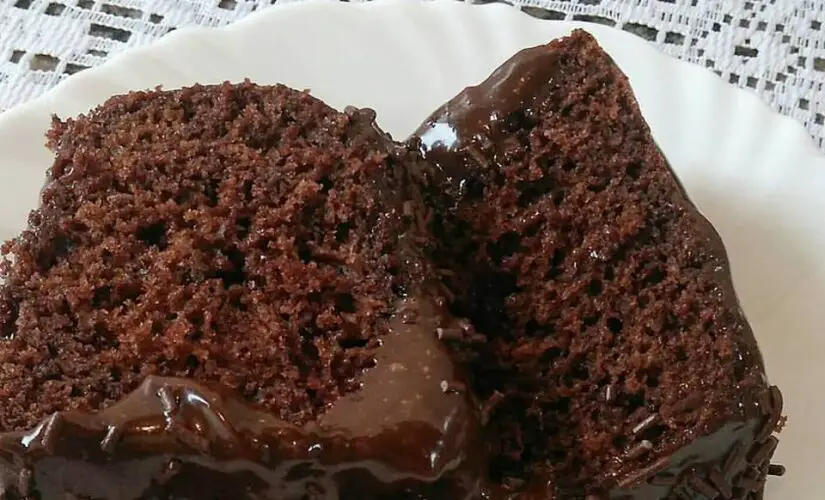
x=610, y=332
x=231, y=234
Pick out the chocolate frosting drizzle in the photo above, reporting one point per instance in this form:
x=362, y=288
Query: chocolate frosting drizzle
x=175, y=438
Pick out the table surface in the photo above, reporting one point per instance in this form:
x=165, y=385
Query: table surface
x=775, y=48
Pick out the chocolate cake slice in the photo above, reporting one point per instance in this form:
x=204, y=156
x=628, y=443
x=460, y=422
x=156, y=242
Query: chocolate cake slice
x=221, y=297
x=610, y=351
x=237, y=292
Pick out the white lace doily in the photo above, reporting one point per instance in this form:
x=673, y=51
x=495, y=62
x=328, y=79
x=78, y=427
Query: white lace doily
x=773, y=47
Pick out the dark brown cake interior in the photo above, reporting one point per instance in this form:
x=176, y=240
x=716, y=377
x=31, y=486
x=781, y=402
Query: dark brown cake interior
x=231, y=234
x=611, y=336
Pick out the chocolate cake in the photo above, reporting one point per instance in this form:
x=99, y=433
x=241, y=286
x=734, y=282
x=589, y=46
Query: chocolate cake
x=610, y=353
x=238, y=292
x=221, y=297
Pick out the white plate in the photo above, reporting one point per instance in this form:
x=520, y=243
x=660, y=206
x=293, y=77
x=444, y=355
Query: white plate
x=755, y=174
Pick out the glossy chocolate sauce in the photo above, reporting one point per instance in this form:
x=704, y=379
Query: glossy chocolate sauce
x=173, y=438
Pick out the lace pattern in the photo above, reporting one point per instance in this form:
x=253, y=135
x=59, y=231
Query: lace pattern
x=775, y=48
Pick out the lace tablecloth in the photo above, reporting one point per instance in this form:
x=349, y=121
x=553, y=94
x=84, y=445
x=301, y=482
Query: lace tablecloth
x=775, y=48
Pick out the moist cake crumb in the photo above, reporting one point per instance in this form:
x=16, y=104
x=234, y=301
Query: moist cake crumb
x=613, y=337
x=225, y=234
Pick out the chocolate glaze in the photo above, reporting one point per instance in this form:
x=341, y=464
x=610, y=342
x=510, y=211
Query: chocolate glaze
x=452, y=139
x=468, y=116
x=175, y=438
x=411, y=432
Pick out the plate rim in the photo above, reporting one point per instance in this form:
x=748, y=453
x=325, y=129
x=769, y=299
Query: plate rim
x=199, y=39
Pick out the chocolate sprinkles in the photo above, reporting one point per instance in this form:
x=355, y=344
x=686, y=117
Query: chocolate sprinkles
x=776, y=399
x=776, y=470
x=783, y=420
x=703, y=486
x=774, y=411
x=168, y=400
x=449, y=334
x=664, y=480
x=50, y=433
x=645, y=424
x=640, y=450
x=752, y=473
x=644, y=474
x=609, y=394
x=478, y=156
x=734, y=459
x=764, y=451
x=719, y=481
x=462, y=331
x=111, y=439
x=739, y=476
